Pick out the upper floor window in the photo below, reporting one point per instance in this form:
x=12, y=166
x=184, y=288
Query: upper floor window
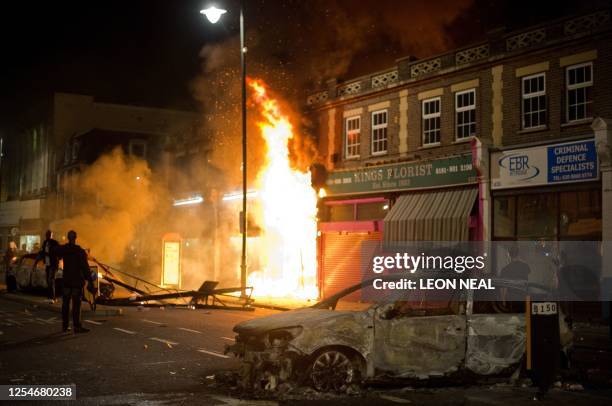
x=579, y=85
x=465, y=114
x=431, y=121
x=353, y=137
x=138, y=148
x=534, y=101
x=379, y=132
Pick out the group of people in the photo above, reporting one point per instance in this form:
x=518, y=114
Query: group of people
x=75, y=273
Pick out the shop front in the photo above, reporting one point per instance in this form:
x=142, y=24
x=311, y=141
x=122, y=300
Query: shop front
x=549, y=192
x=549, y=196
x=413, y=201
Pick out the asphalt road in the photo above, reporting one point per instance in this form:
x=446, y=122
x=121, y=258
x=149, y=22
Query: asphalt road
x=169, y=357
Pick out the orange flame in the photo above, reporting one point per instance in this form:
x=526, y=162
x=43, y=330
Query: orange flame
x=287, y=215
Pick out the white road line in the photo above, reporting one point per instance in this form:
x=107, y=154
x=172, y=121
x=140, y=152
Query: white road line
x=124, y=331
x=394, y=399
x=44, y=320
x=190, y=330
x=152, y=322
x=161, y=340
x=14, y=322
x=228, y=338
x=97, y=323
x=216, y=354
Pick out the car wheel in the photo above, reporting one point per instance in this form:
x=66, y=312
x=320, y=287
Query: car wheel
x=334, y=370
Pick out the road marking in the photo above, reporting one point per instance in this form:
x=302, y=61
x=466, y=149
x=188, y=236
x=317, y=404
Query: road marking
x=152, y=322
x=394, y=399
x=97, y=323
x=228, y=338
x=44, y=320
x=190, y=330
x=161, y=340
x=124, y=331
x=216, y=354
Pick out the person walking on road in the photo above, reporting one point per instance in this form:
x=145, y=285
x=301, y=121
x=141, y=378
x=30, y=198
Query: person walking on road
x=48, y=254
x=76, y=272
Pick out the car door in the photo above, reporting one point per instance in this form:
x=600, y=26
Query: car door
x=496, y=334
x=419, y=338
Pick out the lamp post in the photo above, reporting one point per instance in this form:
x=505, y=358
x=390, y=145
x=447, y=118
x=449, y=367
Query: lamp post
x=213, y=15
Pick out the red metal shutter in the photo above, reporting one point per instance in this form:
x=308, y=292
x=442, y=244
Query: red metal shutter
x=341, y=259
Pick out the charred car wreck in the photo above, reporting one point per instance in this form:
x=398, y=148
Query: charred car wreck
x=342, y=341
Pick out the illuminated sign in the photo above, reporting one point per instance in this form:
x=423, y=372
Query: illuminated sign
x=171, y=264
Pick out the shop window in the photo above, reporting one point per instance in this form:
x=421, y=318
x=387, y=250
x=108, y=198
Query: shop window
x=431, y=121
x=379, y=132
x=534, y=101
x=579, y=85
x=504, y=215
x=342, y=212
x=537, y=216
x=580, y=214
x=372, y=211
x=465, y=114
x=353, y=137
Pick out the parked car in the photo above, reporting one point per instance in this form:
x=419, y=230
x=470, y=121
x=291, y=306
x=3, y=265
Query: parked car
x=28, y=279
x=340, y=342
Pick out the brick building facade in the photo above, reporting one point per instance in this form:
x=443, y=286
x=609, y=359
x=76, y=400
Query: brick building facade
x=421, y=151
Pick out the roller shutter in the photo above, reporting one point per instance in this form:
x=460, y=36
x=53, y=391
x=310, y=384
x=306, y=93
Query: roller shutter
x=341, y=258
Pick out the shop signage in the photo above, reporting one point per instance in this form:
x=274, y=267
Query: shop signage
x=550, y=164
x=412, y=175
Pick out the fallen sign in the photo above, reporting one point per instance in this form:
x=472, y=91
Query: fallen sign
x=208, y=293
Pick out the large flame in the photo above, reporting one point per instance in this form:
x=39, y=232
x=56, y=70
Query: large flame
x=287, y=213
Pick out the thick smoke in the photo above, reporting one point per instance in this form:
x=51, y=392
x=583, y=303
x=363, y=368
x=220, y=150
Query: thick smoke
x=297, y=45
x=114, y=196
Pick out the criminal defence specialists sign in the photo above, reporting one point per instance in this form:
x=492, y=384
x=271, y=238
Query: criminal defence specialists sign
x=452, y=171
x=549, y=164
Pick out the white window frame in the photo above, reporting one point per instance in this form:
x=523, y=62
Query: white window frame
x=464, y=109
x=385, y=127
x=530, y=96
x=347, y=132
x=569, y=87
x=430, y=116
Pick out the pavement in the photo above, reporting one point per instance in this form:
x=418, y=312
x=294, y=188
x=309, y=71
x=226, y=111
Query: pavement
x=172, y=356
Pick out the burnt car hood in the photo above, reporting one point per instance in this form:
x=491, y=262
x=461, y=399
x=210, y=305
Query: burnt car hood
x=302, y=317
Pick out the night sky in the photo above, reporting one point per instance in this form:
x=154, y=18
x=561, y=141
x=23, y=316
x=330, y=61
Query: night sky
x=164, y=53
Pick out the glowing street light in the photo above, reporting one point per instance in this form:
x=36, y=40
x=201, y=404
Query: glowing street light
x=213, y=13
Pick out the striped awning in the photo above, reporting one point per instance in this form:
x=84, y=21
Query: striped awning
x=430, y=216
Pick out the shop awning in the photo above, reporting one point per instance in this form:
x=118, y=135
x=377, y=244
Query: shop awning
x=430, y=216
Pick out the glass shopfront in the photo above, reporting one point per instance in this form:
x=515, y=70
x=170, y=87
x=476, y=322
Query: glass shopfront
x=572, y=214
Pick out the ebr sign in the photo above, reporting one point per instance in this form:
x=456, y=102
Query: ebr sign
x=549, y=164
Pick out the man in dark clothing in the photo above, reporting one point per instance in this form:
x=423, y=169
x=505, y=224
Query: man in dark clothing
x=48, y=255
x=76, y=272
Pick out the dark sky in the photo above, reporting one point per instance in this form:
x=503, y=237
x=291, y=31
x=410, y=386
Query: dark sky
x=148, y=51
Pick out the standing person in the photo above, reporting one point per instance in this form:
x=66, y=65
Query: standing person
x=516, y=270
x=9, y=256
x=76, y=272
x=49, y=255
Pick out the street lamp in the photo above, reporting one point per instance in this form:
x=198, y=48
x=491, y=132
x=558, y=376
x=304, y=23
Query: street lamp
x=213, y=14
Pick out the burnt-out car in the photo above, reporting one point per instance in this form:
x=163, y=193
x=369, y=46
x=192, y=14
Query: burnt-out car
x=28, y=278
x=344, y=340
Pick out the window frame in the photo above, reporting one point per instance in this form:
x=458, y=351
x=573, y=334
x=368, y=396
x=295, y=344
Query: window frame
x=462, y=110
x=384, y=127
x=431, y=116
x=346, y=137
x=569, y=87
x=532, y=95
